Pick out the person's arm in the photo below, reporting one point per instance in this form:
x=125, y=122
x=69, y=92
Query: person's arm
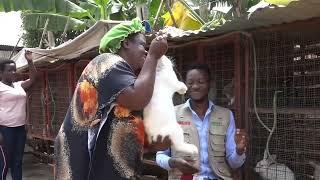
x=163, y=158
x=234, y=159
x=32, y=72
x=136, y=97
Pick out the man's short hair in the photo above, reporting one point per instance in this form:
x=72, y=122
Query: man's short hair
x=202, y=67
x=4, y=62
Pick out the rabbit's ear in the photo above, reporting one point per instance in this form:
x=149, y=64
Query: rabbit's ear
x=262, y=163
x=258, y=165
x=271, y=159
x=314, y=164
x=273, y=156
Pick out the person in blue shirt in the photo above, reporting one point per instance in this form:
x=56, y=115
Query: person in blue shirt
x=211, y=128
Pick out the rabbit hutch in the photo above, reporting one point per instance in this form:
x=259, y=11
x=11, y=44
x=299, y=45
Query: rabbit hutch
x=284, y=100
x=266, y=69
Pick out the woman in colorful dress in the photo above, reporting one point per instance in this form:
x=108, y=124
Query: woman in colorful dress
x=102, y=136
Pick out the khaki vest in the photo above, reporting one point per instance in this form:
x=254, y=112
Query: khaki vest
x=218, y=125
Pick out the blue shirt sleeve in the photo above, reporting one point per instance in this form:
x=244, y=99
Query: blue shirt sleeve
x=162, y=159
x=234, y=160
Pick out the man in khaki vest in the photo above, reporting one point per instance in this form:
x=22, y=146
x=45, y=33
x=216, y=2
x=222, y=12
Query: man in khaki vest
x=211, y=128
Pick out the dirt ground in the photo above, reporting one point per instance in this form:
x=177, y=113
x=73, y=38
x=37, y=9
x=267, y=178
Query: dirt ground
x=33, y=169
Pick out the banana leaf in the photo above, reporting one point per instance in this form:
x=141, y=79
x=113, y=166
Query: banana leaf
x=62, y=7
x=34, y=21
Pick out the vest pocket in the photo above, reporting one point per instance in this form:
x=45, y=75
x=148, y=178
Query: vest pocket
x=219, y=150
x=217, y=144
x=224, y=169
x=217, y=129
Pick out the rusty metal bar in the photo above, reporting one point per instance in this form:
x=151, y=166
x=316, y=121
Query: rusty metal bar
x=237, y=81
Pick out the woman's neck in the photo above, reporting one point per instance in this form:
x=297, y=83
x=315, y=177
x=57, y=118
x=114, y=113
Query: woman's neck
x=200, y=107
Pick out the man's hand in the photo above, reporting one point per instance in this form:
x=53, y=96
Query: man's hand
x=158, y=47
x=242, y=140
x=28, y=56
x=160, y=144
x=182, y=165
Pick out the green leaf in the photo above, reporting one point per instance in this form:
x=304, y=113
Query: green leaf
x=140, y=1
x=153, y=7
x=101, y=2
x=34, y=21
x=63, y=7
x=252, y=3
x=118, y=16
x=92, y=8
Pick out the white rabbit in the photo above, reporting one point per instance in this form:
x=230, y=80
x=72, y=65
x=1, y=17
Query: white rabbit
x=159, y=116
x=271, y=170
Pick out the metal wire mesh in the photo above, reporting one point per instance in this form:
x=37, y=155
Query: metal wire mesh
x=182, y=57
x=288, y=62
x=79, y=67
x=58, y=97
x=220, y=59
x=36, y=108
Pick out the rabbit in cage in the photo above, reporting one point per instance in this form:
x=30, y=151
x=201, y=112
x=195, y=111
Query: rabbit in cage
x=271, y=170
x=228, y=92
x=316, y=166
x=159, y=115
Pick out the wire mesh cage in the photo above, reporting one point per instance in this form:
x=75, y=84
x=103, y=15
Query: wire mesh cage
x=79, y=67
x=37, y=108
x=287, y=63
x=181, y=58
x=220, y=59
x=59, y=97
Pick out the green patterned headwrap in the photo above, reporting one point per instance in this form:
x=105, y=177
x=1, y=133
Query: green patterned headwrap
x=111, y=41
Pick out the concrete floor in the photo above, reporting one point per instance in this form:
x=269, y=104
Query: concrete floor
x=33, y=169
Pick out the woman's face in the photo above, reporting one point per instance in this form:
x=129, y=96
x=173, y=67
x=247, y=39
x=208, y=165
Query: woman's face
x=137, y=52
x=9, y=72
x=198, y=84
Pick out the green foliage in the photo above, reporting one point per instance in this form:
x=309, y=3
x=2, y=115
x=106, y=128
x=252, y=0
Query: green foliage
x=92, y=8
x=140, y=1
x=34, y=21
x=79, y=15
x=32, y=36
x=62, y=7
x=153, y=6
x=214, y=23
x=252, y=3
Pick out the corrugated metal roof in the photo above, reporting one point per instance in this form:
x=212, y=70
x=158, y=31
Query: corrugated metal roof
x=265, y=17
x=6, y=50
x=9, y=48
